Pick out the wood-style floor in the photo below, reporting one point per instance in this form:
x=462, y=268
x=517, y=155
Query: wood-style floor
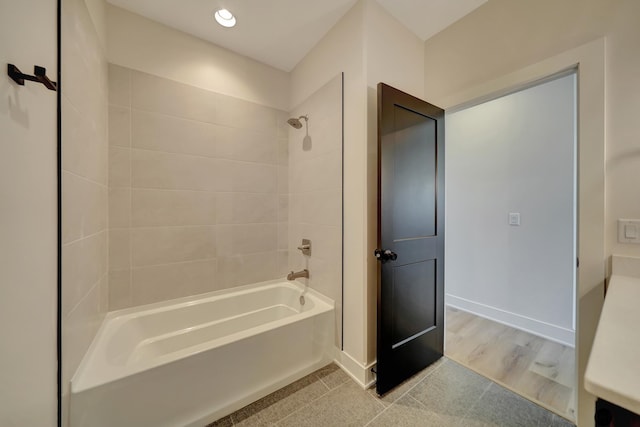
x=538, y=369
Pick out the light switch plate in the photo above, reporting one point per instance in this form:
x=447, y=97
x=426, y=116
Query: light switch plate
x=514, y=218
x=629, y=231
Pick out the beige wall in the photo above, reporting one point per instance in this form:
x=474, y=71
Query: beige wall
x=28, y=218
x=144, y=45
x=502, y=37
x=84, y=180
x=195, y=180
x=623, y=127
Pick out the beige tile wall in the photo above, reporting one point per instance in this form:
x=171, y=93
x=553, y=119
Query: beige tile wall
x=197, y=190
x=85, y=187
x=315, y=186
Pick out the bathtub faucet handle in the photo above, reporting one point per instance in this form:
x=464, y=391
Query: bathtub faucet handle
x=305, y=247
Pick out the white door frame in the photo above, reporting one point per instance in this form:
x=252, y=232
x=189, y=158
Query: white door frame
x=589, y=60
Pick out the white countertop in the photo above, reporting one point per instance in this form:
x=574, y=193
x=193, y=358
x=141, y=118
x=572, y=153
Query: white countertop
x=613, y=370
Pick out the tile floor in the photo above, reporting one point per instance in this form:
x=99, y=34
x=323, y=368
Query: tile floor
x=444, y=394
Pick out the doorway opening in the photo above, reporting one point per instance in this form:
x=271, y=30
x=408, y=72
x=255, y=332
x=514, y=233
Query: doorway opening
x=510, y=252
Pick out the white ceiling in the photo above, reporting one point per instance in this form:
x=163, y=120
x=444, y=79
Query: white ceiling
x=281, y=32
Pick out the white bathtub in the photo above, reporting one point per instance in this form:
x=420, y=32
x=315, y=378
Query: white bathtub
x=190, y=361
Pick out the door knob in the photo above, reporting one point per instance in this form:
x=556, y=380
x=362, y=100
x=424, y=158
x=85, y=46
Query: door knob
x=384, y=255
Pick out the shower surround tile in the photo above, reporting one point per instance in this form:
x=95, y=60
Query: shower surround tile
x=84, y=151
x=247, y=208
x=119, y=289
x=84, y=207
x=119, y=126
x=195, y=199
x=159, y=132
x=171, y=171
x=248, y=145
x=238, y=113
x=119, y=86
x=159, y=282
x=160, y=95
x=237, y=270
x=119, y=167
x=246, y=177
x=119, y=207
x=152, y=208
x=244, y=239
x=119, y=249
x=85, y=197
x=163, y=245
x=84, y=263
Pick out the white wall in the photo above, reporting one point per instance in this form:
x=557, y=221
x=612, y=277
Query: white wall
x=514, y=154
x=395, y=56
x=315, y=194
x=341, y=50
x=28, y=240
x=144, y=45
x=369, y=46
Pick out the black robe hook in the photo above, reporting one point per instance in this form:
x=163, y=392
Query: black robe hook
x=40, y=76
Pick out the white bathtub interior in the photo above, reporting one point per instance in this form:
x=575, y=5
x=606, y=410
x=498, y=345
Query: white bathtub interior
x=193, y=360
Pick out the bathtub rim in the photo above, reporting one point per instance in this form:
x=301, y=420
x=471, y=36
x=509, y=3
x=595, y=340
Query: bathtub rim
x=77, y=385
x=113, y=314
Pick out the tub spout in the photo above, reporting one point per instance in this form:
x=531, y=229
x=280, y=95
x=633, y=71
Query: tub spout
x=293, y=276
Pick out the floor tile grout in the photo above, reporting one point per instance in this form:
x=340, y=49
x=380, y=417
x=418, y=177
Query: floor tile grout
x=424, y=378
x=386, y=414
x=317, y=378
x=386, y=407
x=377, y=415
x=323, y=383
x=310, y=402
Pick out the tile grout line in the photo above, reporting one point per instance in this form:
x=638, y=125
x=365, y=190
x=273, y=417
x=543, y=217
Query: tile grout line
x=88, y=236
x=310, y=402
x=86, y=295
x=377, y=415
x=419, y=382
x=181, y=153
x=317, y=378
x=89, y=180
x=130, y=219
x=406, y=393
x=466, y=414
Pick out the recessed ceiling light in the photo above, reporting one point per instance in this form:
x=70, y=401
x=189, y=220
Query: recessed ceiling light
x=225, y=18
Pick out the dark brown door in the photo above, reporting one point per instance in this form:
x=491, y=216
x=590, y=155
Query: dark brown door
x=410, y=234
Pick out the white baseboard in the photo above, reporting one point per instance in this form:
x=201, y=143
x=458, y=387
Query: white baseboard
x=362, y=374
x=546, y=330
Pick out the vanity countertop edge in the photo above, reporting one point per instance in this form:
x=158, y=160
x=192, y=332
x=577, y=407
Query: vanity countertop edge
x=613, y=369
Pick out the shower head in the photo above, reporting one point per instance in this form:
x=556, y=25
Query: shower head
x=296, y=123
